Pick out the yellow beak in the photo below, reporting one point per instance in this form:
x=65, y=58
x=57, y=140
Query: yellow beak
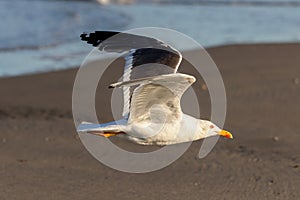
x=226, y=134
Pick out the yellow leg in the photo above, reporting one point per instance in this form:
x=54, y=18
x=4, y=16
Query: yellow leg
x=107, y=135
x=104, y=134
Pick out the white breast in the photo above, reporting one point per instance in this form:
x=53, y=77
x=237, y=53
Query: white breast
x=164, y=134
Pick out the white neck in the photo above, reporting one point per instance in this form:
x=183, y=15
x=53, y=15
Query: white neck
x=194, y=129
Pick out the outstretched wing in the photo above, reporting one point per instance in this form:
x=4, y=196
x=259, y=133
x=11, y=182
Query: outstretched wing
x=139, y=50
x=144, y=56
x=161, y=93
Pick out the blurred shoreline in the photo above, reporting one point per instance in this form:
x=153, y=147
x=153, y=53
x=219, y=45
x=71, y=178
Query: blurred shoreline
x=75, y=67
x=273, y=3
x=44, y=35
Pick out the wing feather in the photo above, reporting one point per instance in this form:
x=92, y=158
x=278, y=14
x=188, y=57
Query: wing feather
x=161, y=93
x=144, y=57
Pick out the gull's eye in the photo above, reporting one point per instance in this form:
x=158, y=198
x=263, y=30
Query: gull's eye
x=212, y=126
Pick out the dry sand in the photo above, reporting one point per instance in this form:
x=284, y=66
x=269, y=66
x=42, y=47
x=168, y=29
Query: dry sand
x=42, y=157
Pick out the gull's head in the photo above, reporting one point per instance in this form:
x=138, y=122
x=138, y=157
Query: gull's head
x=213, y=130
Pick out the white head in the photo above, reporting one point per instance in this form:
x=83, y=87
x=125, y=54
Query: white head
x=208, y=129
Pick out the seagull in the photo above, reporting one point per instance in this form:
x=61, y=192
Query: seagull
x=152, y=91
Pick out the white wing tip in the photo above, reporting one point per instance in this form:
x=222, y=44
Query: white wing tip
x=114, y=85
x=191, y=79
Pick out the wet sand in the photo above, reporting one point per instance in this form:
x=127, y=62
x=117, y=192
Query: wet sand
x=42, y=157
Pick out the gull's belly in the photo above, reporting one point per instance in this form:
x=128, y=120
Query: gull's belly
x=163, y=134
x=153, y=133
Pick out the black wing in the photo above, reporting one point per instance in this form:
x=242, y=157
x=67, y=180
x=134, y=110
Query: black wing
x=144, y=56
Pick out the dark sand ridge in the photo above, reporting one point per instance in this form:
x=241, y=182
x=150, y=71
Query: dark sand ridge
x=41, y=157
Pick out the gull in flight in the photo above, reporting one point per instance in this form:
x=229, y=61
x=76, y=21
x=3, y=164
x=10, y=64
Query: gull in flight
x=152, y=91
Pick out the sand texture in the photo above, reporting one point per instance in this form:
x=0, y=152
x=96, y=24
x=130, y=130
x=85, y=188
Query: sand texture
x=42, y=157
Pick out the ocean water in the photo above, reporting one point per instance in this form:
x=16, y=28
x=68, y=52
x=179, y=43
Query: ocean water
x=43, y=35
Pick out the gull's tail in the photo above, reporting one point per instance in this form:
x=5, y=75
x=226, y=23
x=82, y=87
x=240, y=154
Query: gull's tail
x=106, y=129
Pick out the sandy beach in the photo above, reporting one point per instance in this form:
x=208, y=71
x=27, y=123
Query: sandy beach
x=43, y=158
